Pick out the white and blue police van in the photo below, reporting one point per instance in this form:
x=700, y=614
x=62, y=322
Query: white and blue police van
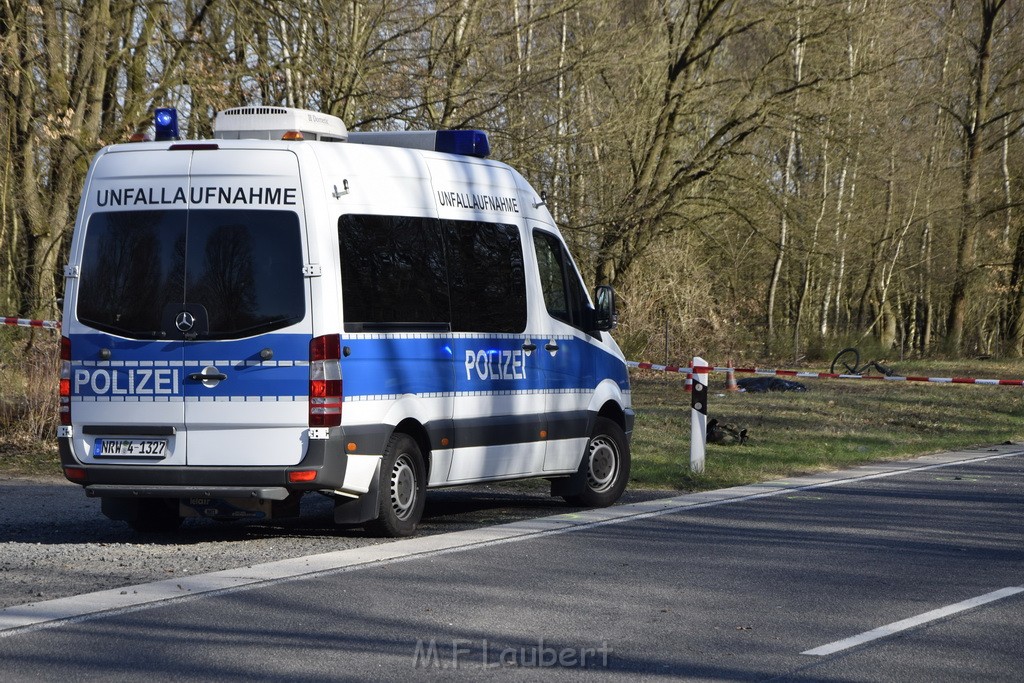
x=289, y=308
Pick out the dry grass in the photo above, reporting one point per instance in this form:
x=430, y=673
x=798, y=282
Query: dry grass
x=836, y=423
x=29, y=376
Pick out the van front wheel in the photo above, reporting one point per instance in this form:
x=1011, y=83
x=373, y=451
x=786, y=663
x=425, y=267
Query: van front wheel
x=402, y=489
x=604, y=471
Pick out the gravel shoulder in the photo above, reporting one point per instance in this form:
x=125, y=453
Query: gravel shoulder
x=54, y=542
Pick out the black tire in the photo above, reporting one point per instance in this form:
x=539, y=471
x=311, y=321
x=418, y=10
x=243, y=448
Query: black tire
x=604, y=471
x=156, y=516
x=847, y=361
x=402, y=489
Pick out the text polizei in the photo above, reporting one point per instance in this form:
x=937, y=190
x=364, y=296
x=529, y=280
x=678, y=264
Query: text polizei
x=495, y=364
x=132, y=382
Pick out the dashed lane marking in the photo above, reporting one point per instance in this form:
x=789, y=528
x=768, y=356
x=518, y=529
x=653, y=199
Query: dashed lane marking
x=912, y=622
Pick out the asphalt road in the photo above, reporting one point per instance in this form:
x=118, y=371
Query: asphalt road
x=731, y=585
x=55, y=542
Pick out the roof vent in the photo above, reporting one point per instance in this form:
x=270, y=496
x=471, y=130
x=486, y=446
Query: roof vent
x=270, y=123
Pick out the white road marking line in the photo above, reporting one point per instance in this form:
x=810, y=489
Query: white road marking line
x=73, y=609
x=913, y=622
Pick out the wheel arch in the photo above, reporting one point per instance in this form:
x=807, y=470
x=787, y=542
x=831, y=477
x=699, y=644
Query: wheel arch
x=418, y=433
x=608, y=402
x=614, y=412
x=409, y=414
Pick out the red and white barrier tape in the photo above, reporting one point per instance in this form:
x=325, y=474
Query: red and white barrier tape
x=55, y=325
x=25, y=322
x=827, y=375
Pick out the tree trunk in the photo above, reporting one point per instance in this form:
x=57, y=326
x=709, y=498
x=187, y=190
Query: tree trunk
x=976, y=122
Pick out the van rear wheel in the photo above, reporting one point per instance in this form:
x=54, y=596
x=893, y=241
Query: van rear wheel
x=402, y=489
x=604, y=471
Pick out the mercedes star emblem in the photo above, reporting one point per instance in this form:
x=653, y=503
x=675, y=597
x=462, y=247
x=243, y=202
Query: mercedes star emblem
x=184, y=321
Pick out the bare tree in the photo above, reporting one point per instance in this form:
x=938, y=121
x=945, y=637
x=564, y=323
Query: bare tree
x=975, y=121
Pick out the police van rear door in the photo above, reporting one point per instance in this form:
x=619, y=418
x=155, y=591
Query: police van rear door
x=246, y=354
x=191, y=312
x=127, y=402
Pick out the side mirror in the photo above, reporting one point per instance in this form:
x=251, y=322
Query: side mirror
x=605, y=317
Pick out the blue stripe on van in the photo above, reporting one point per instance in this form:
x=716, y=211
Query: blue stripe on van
x=386, y=365
x=391, y=366
x=158, y=370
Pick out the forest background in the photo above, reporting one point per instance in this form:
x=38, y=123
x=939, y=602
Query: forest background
x=758, y=179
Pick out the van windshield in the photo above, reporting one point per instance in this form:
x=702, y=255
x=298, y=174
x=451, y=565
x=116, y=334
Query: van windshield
x=237, y=272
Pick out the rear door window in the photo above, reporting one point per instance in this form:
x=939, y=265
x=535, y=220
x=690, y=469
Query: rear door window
x=132, y=267
x=245, y=268
x=242, y=269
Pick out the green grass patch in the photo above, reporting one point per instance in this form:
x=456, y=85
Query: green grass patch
x=835, y=424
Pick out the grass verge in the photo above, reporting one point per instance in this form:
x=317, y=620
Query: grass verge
x=27, y=457
x=835, y=424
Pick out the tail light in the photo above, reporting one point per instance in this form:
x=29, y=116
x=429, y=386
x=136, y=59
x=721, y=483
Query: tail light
x=65, y=381
x=325, y=381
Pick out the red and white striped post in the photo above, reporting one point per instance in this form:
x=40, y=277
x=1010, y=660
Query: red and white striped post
x=698, y=415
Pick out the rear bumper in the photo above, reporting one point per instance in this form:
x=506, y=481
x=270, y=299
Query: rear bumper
x=326, y=457
x=218, y=492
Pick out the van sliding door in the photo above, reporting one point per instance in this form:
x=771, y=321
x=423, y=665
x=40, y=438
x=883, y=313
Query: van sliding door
x=499, y=423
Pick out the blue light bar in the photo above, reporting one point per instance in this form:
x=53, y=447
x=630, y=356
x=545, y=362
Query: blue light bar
x=472, y=143
x=165, y=122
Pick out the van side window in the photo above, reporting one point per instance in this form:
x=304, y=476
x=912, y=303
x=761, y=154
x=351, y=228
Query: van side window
x=488, y=284
x=393, y=273
x=564, y=295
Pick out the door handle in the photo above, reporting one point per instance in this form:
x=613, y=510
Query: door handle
x=200, y=377
x=551, y=346
x=530, y=347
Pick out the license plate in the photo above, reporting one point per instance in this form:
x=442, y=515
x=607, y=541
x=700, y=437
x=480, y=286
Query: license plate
x=140, y=448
